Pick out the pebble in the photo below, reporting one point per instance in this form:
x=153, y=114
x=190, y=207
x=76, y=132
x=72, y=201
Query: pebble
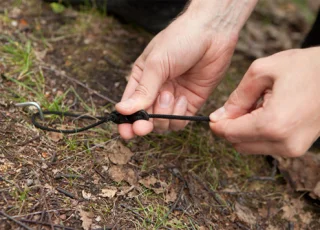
x=29, y=182
x=14, y=23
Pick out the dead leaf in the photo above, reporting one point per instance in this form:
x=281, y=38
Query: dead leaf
x=171, y=195
x=86, y=195
x=55, y=136
x=86, y=218
x=153, y=183
x=119, y=173
x=124, y=190
x=316, y=189
x=108, y=192
x=271, y=227
x=40, y=55
x=119, y=154
x=203, y=228
x=245, y=214
x=268, y=210
x=288, y=212
x=44, y=154
x=49, y=187
x=302, y=173
x=294, y=208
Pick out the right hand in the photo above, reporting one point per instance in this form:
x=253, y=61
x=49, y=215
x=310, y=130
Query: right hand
x=176, y=73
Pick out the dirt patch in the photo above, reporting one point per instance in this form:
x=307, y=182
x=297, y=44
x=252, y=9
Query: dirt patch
x=190, y=179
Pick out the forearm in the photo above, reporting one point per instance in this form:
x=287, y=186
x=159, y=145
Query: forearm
x=221, y=15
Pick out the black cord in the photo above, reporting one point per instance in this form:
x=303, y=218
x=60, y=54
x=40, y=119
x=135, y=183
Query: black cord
x=177, y=117
x=114, y=117
x=67, y=114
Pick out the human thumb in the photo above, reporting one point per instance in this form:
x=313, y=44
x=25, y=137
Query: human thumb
x=142, y=92
x=244, y=97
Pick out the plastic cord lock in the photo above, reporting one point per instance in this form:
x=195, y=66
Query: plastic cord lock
x=118, y=118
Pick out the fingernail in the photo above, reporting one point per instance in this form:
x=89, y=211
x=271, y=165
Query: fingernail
x=127, y=105
x=218, y=114
x=165, y=100
x=182, y=101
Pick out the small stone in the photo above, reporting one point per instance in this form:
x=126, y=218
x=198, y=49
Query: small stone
x=29, y=182
x=14, y=23
x=44, y=166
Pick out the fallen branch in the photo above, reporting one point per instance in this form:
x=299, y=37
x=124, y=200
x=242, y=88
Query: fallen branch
x=47, y=224
x=62, y=74
x=68, y=194
x=70, y=176
x=39, y=212
x=262, y=178
x=14, y=220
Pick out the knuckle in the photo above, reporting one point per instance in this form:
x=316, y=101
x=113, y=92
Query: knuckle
x=274, y=127
x=256, y=67
x=234, y=97
x=293, y=149
x=142, y=90
x=177, y=125
x=154, y=60
x=231, y=138
x=276, y=132
x=159, y=64
x=228, y=134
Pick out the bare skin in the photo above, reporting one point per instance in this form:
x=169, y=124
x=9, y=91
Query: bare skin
x=288, y=120
x=183, y=64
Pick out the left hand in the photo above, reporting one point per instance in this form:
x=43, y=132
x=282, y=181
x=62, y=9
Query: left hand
x=287, y=122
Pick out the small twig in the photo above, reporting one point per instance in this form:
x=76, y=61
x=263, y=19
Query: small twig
x=176, y=202
x=100, y=174
x=72, y=176
x=173, y=207
x=11, y=182
x=274, y=168
x=262, y=178
x=16, y=221
x=47, y=224
x=25, y=142
x=59, y=73
x=46, y=205
x=53, y=158
x=43, y=214
x=68, y=194
x=241, y=226
x=4, y=115
x=235, y=193
x=136, y=213
x=139, y=216
x=214, y=193
x=39, y=212
x=290, y=226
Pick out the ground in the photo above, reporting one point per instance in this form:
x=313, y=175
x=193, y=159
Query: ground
x=78, y=60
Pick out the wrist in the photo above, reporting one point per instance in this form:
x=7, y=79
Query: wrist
x=227, y=16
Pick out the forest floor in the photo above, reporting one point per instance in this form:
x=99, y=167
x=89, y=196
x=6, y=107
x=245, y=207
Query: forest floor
x=78, y=60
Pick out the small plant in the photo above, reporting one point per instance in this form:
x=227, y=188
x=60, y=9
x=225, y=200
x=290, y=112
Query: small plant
x=57, y=7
